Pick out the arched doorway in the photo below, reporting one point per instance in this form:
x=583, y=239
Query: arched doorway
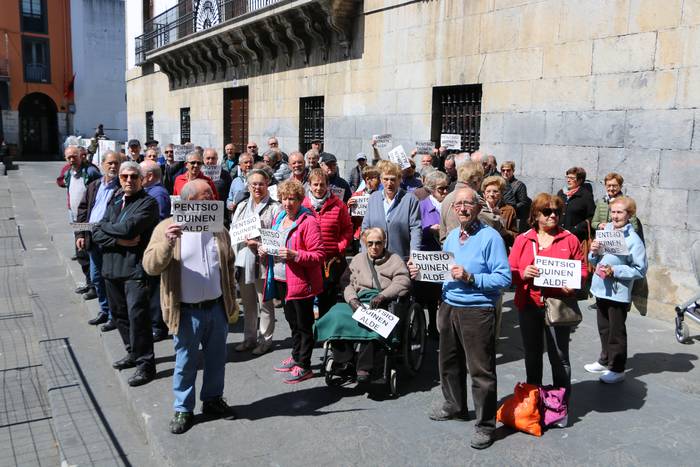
x=38, y=127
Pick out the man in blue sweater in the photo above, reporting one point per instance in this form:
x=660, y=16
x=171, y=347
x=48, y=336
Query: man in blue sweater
x=466, y=319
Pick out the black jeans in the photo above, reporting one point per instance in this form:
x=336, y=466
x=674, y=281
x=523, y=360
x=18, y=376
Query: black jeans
x=129, y=302
x=535, y=332
x=300, y=316
x=613, y=333
x=467, y=343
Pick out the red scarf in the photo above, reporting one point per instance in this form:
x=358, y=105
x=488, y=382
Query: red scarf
x=570, y=193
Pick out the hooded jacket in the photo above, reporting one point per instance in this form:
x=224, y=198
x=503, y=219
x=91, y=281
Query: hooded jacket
x=336, y=225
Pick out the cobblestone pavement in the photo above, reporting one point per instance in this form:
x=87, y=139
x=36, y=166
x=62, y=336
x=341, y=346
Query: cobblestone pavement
x=650, y=419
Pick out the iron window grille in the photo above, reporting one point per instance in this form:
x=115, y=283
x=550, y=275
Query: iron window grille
x=185, y=125
x=457, y=110
x=149, y=126
x=310, y=121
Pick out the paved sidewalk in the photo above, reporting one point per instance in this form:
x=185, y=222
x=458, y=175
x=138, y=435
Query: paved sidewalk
x=649, y=419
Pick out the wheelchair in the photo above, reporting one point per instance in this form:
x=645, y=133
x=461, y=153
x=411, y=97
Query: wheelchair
x=691, y=308
x=404, y=350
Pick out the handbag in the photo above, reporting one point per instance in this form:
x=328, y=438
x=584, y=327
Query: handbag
x=522, y=410
x=560, y=311
x=553, y=407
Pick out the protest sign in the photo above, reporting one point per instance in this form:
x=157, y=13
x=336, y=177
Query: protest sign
x=398, y=156
x=451, y=141
x=103, y=145
x=380, y=321
x=613, y=241
x=173, y=199
x=199, y=216
x=382, y=141
x=272, y=241
x=245, y=229
x=212, y=171
x=433, y=266
x=555, y=272
x=338, y=192
x=180, y=151
x=82, y=226
x=272, y=190
x=425, y=147
x=359, y=209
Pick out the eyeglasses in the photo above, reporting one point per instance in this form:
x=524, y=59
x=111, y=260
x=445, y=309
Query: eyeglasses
x=252, y=147
x=374, y=243
x=195, y=163
x=274, y=144
x=463, y=204
x=168, y=152
x=505, y=169
x=571, y=177
x=546, y=212
x=129, y=176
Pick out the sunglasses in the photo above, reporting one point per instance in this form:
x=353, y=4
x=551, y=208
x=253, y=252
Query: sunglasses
x=252, y=147
x=374, y=243
x=441, y=188
x=195, y=163
x=546, y=212
x=129, y=176
x=168, y=152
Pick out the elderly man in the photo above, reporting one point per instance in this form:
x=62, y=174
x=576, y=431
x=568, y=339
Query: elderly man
x=194, y=164
x=134, y=151
x=355, y=176
x=151, y=155
x=198, y=294
x=466, y=319
x=426, y=161
x=239, y=185
x=230, y=157
x=274, y=145
x=223, y=184
x=451, y=171
x=312, y=158
x=170, y=169
x=299, y=171
x=336, y=183
x=92, y=209
x=252, y=149
x=317, y=145
x=516, y=194
x=123, y=235
x=280, y=168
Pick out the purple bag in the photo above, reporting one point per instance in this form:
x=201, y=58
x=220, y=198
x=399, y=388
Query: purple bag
x=553, y=406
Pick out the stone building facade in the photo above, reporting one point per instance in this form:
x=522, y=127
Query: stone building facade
x=609, y=85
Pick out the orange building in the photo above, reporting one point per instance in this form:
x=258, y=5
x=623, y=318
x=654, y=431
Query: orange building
x=35, y=76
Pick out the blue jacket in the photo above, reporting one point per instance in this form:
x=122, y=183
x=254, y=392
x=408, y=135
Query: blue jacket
x=402, y=223
x=162, y=196
x=626, y=268
x=483, y=255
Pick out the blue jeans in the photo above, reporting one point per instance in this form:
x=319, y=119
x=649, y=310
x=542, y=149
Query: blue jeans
x=209, y=327
x=97, y=280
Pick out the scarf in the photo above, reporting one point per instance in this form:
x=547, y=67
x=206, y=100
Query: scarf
x=570, y=193
x=317, y=203
x=437, y=204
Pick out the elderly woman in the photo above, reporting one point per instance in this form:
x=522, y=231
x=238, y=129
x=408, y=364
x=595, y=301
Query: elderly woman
x=294, y=274
x=396, y=212
x=366, y=269
x=370, y=184
x=613, y=189
x=612, y=288
x=492, y=189
x=336, y=235
x=255, y=337
x=578, y=203
x=428, y=294
x=545, y=238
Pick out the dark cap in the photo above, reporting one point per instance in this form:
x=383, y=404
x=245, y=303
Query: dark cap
x=134, y=142
x=153, y=142
x=327, y=157
x=316, y=140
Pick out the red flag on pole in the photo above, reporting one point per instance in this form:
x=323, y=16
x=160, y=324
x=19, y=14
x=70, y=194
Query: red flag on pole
x=69, y=89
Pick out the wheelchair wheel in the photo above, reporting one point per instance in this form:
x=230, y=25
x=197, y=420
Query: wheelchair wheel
x=331, y=379
x=392, y=383
x=682, y=331
x=413, y=340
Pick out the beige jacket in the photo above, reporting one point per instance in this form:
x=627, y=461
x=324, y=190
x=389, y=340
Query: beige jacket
x=160, y=258
x=391, y=271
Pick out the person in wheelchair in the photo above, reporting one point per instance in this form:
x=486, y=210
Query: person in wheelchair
x=374, y=279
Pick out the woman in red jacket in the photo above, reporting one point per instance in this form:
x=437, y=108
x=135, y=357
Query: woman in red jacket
x=545, y=238
x=336, y=232
x=295, y=275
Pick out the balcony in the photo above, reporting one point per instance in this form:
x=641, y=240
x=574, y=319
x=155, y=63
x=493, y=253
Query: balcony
x=36, y=73
x=209, y=41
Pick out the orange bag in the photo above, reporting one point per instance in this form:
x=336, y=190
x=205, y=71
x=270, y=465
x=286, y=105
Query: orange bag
x=521, y=410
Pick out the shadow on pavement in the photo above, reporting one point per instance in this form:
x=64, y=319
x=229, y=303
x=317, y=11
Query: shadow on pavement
x=659, y=362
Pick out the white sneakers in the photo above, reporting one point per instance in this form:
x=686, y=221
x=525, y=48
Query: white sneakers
x=595, y=367
x=612, y=377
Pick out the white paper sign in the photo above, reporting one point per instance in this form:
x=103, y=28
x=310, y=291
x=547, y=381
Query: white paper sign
x=424, y=147
x=433, y=266
x=212, y=171
x=245, y=229
x=82, y=226
x=451, y=141
x=180, y=151
x=339, y=192
x=555, y=272
x=272, y=190
x=272, y=241
x=173, y=199
x=380, y=321
x=199, y=216
x=398, y=156
x=103, y=145
x=613, y=241
x=383, y=141
x=359, y=209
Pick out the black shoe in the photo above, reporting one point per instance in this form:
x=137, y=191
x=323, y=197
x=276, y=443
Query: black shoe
x=440, y=415
x=181, y=422
x=124, y=363
x=141, y=376
x=160, y=336
x=108, y=326
x=74, y=258
x=90, y=295
x=481, y=440
x=99, y=319
x=82, y=289
x=219, y=408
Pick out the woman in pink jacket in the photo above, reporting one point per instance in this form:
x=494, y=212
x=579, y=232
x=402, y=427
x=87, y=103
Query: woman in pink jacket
x=294, y=274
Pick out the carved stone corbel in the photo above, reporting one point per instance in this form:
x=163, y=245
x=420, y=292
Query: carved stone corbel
x=273, y=29
x=316, y=37
x=298, y=42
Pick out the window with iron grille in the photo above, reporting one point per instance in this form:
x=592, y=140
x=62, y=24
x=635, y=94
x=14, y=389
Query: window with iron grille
x=310, y=121
x=185, y=125
x=33, y=16
x=457, y=110
x=36, y=58
x=149, y=126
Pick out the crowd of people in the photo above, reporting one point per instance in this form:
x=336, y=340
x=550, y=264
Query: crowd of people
x=152, y=279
